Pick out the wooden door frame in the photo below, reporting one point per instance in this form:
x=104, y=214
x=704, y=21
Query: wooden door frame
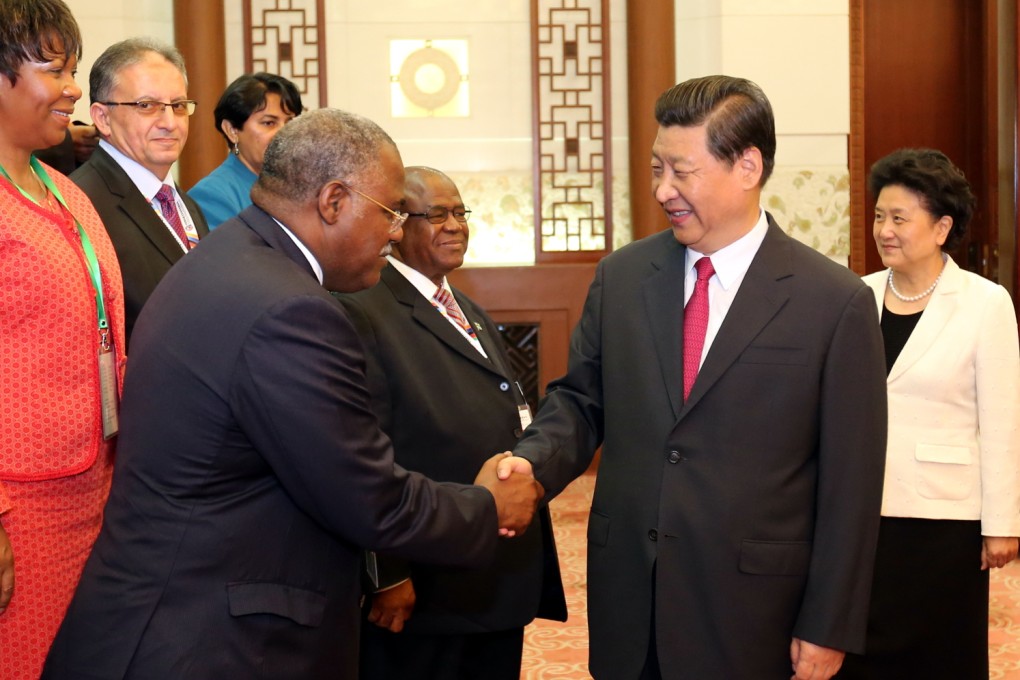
x=860, y=233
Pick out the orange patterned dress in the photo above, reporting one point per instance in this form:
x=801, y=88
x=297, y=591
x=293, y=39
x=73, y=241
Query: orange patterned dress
x=55, y=467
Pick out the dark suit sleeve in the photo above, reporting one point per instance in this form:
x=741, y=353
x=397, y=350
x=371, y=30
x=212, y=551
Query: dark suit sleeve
x=390, y=570
x=852, y=439
x=299, y=395
x=568, y=428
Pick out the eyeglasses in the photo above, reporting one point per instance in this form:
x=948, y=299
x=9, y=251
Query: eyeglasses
x=151, y=107
x=438, y=214
x=397, y=218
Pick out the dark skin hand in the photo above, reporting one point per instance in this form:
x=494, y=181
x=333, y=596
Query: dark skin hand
x=392, y=607
x=516, y=496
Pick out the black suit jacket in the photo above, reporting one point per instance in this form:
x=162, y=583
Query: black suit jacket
x=448, y=409
x=250, y=473
x=145, y=247
x=756, y=501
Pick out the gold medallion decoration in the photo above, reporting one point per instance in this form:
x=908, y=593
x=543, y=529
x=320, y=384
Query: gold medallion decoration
x=429, y=78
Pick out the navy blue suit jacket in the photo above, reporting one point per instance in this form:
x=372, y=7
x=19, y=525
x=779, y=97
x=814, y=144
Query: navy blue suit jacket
x=250, y=473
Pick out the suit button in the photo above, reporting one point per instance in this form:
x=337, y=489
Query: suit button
x=653, y=535
x=518, y=432
x=674, y=457
x=504, y=386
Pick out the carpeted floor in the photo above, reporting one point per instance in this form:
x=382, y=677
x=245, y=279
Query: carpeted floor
x=559, y=651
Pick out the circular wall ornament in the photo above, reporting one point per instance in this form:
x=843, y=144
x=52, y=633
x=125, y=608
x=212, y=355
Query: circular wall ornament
x=429, y=78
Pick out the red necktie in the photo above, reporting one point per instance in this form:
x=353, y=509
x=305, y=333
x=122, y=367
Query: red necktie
x=696, y=323
x=168, y=206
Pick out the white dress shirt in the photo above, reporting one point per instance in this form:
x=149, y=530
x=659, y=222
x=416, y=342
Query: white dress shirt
x=148, y=184
x=730, y=264
x=428, y=289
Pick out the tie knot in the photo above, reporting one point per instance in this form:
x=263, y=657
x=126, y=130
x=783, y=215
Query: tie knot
x=443, y=296
x=165, y=194
x=704, y=268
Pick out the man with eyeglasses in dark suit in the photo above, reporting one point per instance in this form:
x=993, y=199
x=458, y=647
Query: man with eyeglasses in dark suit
x=444, y=390
x=251, y=473
x=140, y=106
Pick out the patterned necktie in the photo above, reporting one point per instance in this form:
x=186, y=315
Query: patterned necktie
x=446, y=299
x=696, y=323
x=168, y=206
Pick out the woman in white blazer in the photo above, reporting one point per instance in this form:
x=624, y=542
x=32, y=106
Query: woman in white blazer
x=951, y=503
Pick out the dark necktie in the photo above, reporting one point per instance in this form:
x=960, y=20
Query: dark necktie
x=168, y=206
x=696, y=323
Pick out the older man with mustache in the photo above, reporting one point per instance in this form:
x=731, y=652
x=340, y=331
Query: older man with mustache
x=443, y=386
x=251, y=470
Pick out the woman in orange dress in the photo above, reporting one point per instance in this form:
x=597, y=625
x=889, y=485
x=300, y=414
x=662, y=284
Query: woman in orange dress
x=61, y=334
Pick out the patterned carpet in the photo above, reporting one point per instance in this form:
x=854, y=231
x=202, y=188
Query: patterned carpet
x=559, y=651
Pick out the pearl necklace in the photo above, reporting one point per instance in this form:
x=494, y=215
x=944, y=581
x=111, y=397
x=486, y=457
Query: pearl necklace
x=919, y=296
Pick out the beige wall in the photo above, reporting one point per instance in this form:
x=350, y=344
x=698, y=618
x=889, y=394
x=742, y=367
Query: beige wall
x=104, y=22
x=797, y=50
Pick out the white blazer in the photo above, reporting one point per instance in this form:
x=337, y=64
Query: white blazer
x=954, y=407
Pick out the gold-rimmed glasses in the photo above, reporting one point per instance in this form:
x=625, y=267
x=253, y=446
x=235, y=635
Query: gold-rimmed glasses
x=397, y=219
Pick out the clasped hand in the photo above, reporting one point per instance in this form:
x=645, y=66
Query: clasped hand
x=512, y=484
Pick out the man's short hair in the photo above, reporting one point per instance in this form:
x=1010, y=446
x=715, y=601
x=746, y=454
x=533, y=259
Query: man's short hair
x=736, y=112
x=118, y=56
x=317, y=147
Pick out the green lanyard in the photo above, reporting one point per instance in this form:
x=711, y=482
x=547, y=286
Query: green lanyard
x=91, y=262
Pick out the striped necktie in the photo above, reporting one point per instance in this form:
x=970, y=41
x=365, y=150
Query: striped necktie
x=453, y=310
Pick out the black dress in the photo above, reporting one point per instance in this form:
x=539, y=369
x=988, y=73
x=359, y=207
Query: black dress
x=929, y=599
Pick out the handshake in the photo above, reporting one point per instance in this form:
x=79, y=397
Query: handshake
x=512, y=484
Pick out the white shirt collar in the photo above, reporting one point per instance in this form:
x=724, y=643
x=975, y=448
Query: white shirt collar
x=316, y=267
x=732, y=262
x=418, y=280
x=141, y=176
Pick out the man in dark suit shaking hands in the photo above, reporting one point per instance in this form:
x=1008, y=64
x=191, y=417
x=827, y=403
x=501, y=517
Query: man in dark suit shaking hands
x=735, y=516
x=442, y=383
x=250, y=468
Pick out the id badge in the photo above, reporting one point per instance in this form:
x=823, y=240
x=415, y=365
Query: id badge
x=108, y=390
x=525, y=414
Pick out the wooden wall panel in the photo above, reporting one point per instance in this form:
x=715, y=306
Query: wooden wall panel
x=199, y=35
x=551, y=296
x=651, y=70
x=929, y=82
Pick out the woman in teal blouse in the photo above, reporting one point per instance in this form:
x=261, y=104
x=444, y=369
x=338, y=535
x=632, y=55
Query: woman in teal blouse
x=250, y=112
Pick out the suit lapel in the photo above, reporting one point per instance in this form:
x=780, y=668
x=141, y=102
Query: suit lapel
x=482, y=332
x=937, y=314
x=427, y=316
x=756, y=303
x=134, y=207
x=664, y=307
x=262, y=223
